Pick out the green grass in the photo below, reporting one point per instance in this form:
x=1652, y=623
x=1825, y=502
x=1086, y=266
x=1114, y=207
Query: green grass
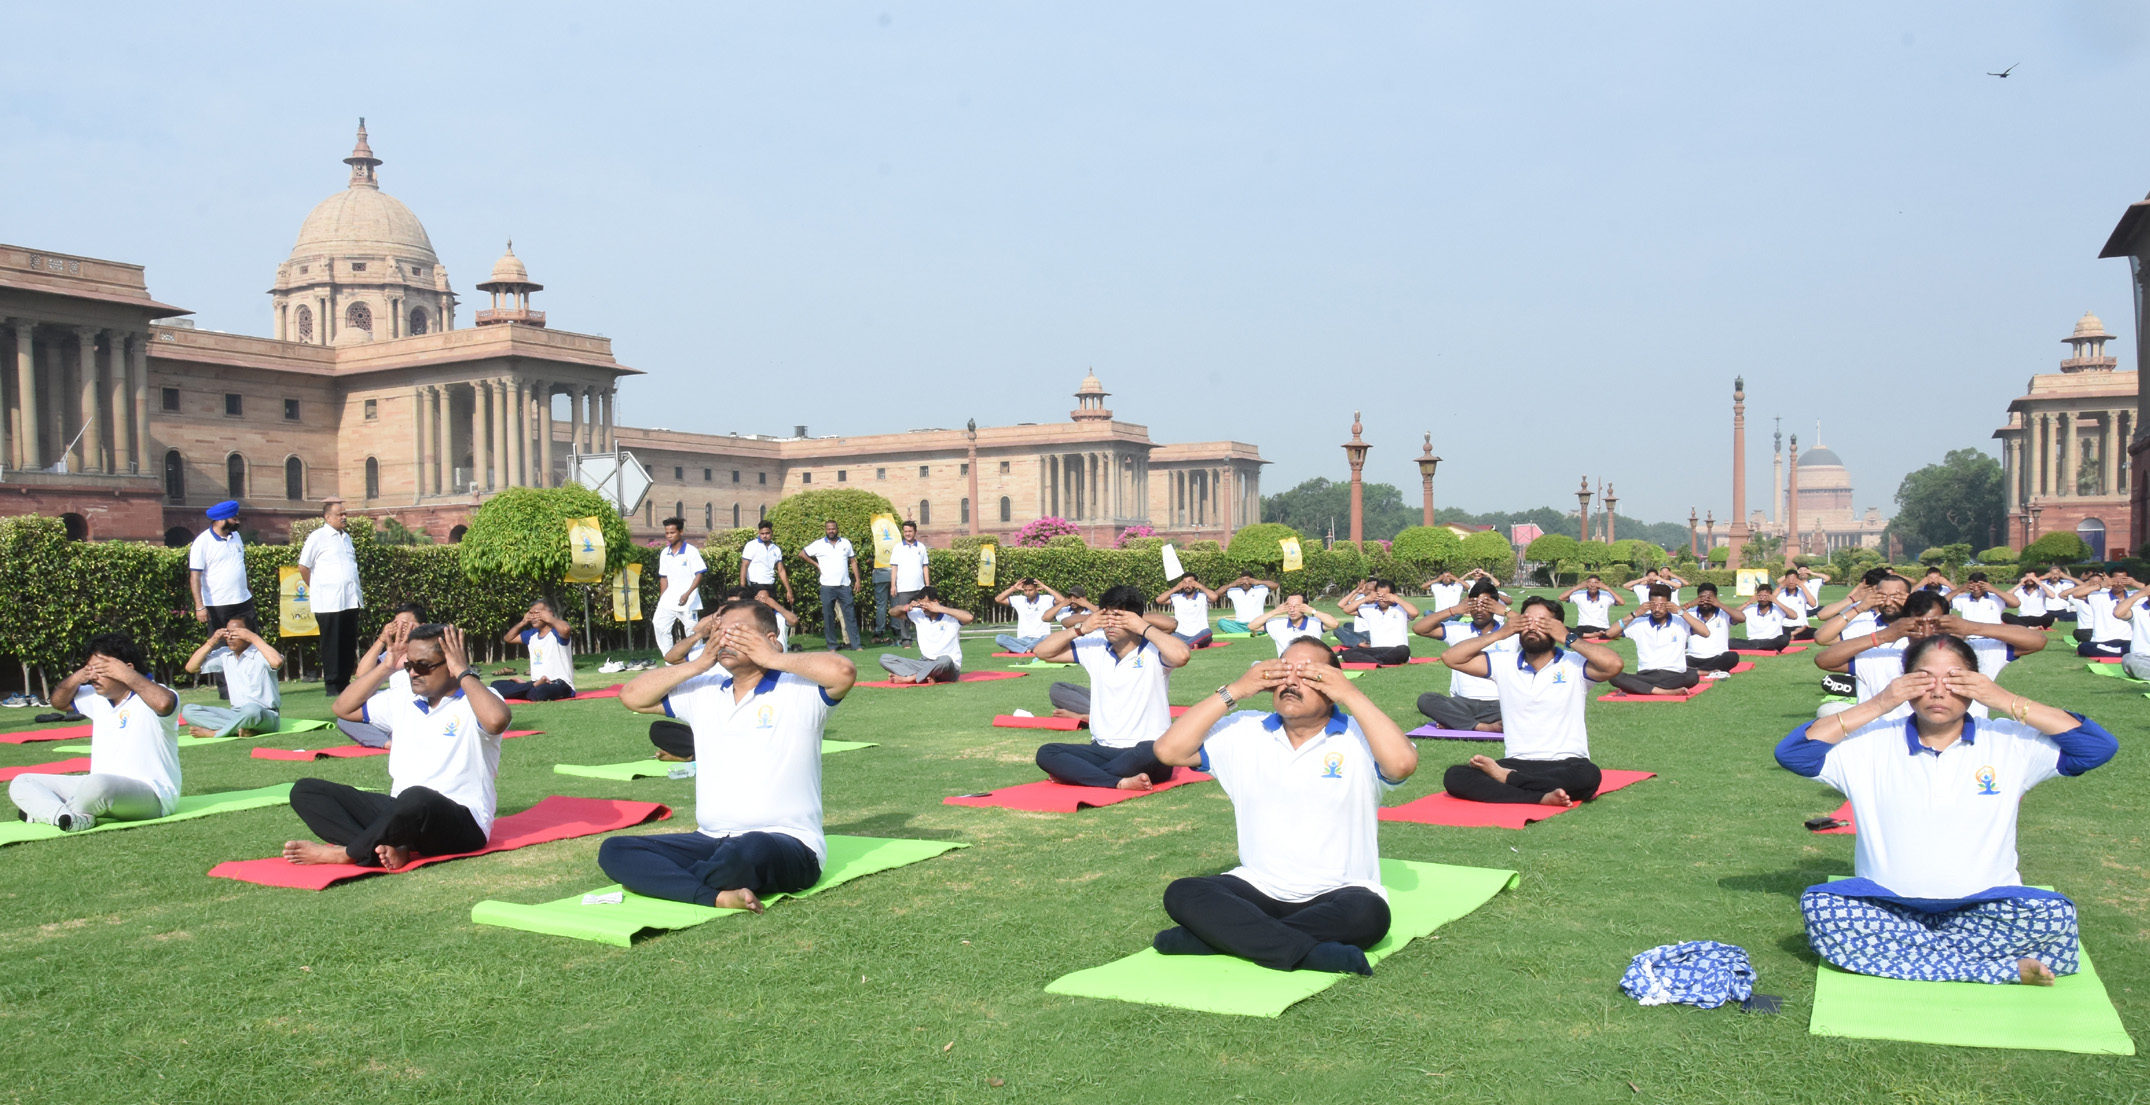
x=130, y=976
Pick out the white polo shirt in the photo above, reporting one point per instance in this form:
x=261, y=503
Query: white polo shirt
x=1542, y=709
x=1985, y=610
x=1593, y=613
x=762, y=557
x=1386, y=626
x=1308, y=817
x=1642, y=594
x=2139, y=628
x=1939, y=825
x=1457, y=630
x=1129, y=695
x=833, y=558
x=1030, y=612
x=1446, y=595
x=442, y=748
x=1861, y=624
x=1247, y=602
x=2031, y=601
x=1719, y=639
x=1192, y=612
x=1659, y=647
x=939, y=636
x=247, y=676
x=130, y=740
x=222, y=563
x=1800, y=601
x=1764, y=620
x=1284, y=632
x=908, y=560
x=552, y=656
x=332, y=571
x=2103, y=625
x=758, y=761
x=677, y=570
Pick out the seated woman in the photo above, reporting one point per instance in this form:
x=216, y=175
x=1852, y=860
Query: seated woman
x=1937, y=896
x=249, y=665
x=552, y=658
x=134, y=751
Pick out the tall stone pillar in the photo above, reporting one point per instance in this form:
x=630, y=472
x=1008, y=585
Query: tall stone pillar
x=2012, y=485
x=2109, y=448
x=544, y=399
x=1738, y=536
x=418, y=444
x=116, y=392
x=443, y=441
x=30, y=451
x=519, y=428
x=497, y=390
x=1791, y=503
x=88, y=435
x=480, y=459
x=138, y=356
x=574, y=421
x=612, y=441
x=55, y=429
x=1355, y=455
x=2071, y=453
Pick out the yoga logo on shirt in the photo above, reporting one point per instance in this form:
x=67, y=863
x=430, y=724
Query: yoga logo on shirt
x=1332, y=766
x=1986, y=779
x=452, y=729
x=765, y=718
x=1560, y=677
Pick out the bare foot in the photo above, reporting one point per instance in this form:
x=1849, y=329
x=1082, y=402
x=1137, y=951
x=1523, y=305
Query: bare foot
x=392, y=856
x=1666, y=690
x=669, y=758
x=741, y=898
x=1491, y=767
x=2034, y=973
x=1556, y=797
x=1488, y=727
x=198, y=731
x=244, y=733
x=313, y=851
x=1058, y=712
x=1135, y=782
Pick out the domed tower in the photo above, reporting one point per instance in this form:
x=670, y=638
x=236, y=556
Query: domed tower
x=2086, y=347
x=1090, y=401
x=362, y=269
x=512, y=281
x=1824, y=487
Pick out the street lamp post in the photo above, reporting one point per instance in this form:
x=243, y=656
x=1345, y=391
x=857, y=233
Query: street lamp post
x=1355, y=453
x=1582, y=507
x=1692, y=518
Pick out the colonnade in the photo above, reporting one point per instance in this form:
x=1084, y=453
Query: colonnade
x=508, y=432
x=78, y=394
x=2045, y=459
x=1094, y=486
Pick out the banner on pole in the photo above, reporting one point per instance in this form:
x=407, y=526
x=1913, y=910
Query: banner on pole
x=585, y=550
x=294, y=606
x=1748, y=579
x=886, y=533
x=985, y=565
x=627, y=594
x=1294, y=560
x=1172, y=564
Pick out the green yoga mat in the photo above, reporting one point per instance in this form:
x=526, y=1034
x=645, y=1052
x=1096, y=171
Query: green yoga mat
x=2110, y=671
x=850, y=857
x=1422, y=897
x=658, y=769
x=289, y=725
x=190, y=806
x=1043, y=664
x=2073, y=1014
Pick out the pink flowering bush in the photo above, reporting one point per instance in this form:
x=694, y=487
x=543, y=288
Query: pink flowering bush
x=1133, y=532
x=1036, y=534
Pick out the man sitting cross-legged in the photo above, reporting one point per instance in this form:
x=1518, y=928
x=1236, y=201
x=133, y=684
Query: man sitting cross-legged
x=1593, y=607
x=1769, y=620
x=1293, y=619
x=1937, y=895
x=1877, y=659
x=1471, y=703
x=1306, y=781
x=1660, y=631
x=1190, y=602
x=1386, y=621
x=940, y=646
x=249, y=666
x=1130, y=664
x=552, y=658
x=442, y=764
x=1248, y=596
x=1711, y=653
x=134, y=753
x=1543, y=689
x=1035, y=605
x=757, y=714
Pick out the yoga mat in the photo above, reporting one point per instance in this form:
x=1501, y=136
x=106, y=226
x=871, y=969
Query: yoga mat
x=2110, y=669
x=1788, y=650
x=966, y=677
x=1044, y=664
x=2105, y=659
x=183, y=741
x=658, y=769
x=850, y=857
x=1741, y=668
x=1848, y=828
x=612, y=691
x=56, y=767
x=1429, y=732
x=1422, y=898
x=1616, y=696
x=1446, y=809
x=1413, y=660
x=2073, y=1014
x=1047, y=796
x=1058, y=724
x=554, y=818
x=190, y=806
x=1232, y=636
x=350, y=751
x=64, y=732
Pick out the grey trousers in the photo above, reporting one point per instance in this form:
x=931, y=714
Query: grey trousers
x=920, y=668
x=1072, y=697
x=372, y=736
x=44, y=798
x=226, y=720
x=2136, y=664
x=1457, y=712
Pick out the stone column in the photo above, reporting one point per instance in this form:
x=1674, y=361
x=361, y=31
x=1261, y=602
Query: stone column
x=2038, y=451
x=544, y=450
x=2012, y=478
x=418, y=444
x=519, y=426
x=116, y=402
x=497, y=390
x=443, y=441
x=2110, y=447
x=145, y=459
x=88, y=438
x=54, y=429
x=29, y=448
x=2071, y=452
x=478, y=457
x=612, y=443
x=574, y=420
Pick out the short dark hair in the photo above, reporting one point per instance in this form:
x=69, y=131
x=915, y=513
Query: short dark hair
x=764, y=524
x=1919, y=648
x=1710, y=588
x=764, y=614
x=1295, y=593
x=1184, y=577
x=1660, y=591
x=414, y=609
x=1549, y=605
x=1922, y=603
x=1874, y=576
x=1327, y=653
x=1483, y=588
x=929, y=592
x=1760, y=586
x=546, y=603
x=908, y=524
x=120, y=647
x=1078, y=593
x=1125, y=596
x=1975, y=577
x=1594, y=576
x=1032, y=580
x=430, y=631
x=1388, y=583
x=679, y=523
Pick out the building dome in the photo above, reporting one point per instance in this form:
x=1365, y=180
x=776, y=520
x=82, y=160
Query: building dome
x=509, y=275
x=2090, y=327
x=362, y=219
x=1821, y=456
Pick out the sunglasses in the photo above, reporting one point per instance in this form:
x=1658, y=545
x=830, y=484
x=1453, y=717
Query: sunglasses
x=420, y=667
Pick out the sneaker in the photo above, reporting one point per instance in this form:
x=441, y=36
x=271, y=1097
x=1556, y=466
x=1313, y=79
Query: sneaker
x=39, y=702
x=1716, y=675
x=611, y=666
x=75, y=822
x=15, y=701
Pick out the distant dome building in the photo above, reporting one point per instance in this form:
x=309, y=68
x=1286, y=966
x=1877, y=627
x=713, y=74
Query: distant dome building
x=362, y=269
x=1826, y=516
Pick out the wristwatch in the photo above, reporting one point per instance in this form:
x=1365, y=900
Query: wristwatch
x=1225, y=692
x=468, y=673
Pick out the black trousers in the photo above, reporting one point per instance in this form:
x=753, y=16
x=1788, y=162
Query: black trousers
x=1778, y=643
x=1230, y=915
x=218, y=615
x=2102, y=648
x=1529, y=781
x=339, y=648
x=421, y=819
x=1456, y=712
x=1803, y=633
x=1094, y=765
x=1723, y=661
x=1368, y=654
x=2042, y=621
x=903, y=624
x=547, y=691
x=690, y=867
x=1641, y=682
x=673, y=737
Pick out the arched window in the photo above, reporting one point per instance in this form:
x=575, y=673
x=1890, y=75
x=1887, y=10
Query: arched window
x=175, y=478
x=709, y=516
x=418, y=321
x=373, y=478
x=306, y=323
x=925, y=513
x=235, y=476
x=78, y=527
x=735, y=515
x=294, y=479
x=963, y=512
x=2092, y=531
x=359, y=317
x=1007, y=510
x=178, y=537
x=455, y=534
x=679, y=508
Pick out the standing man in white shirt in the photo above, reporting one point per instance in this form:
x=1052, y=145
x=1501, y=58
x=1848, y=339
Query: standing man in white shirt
x=838, y=566
x=1248, y=596
x=1660, y=631
x=757, y=725
x=547, y=637
x=681, y=567
x=134, y=752
x=443, y=764
x=761, y=563
x=1473, y=703
x=1387, y=623
x=248, y=665
x=329, y=566
x=216, y=569
x=913, y=572
x=1130, y=664
x=1979, y=602
x=1593, y=607
x=1306, y=781
x=1190, y=602
x=940, y=645
x=1543, y=690
x=1035, y=606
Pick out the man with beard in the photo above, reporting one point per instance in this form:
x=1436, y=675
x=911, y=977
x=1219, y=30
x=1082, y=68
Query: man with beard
x=1472, y=703
x=1543, y=692
x=1711, y=653
x=1880, y=594
x=1660, y=631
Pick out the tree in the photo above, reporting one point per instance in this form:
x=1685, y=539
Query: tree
x=1426, y=547
x=1260, y=543
x=1317, y=504
x=521, y=534
x=1488, y=550
x=1552, y=548
x=800, y=517
x=1957, y=501
x=2058, y=547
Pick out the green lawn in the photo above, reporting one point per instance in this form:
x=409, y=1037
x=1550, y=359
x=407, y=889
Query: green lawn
x=130, y=976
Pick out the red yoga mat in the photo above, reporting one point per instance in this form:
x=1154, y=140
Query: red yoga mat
x=56, y=767
x=1615, y=696
x=1765, y=652
x=65, y=732
x=1059, y=724
x=1048, y=796
x=1446, y=809
x=2105, y=659
x=555, y=818
x=1413, y=660
x=966, y=677
x=350, y=751
x=1843, y=813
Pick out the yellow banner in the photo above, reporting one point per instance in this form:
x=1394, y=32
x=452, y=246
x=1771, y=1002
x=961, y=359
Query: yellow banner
x=886, y=533
x=585, y=550
x=634, y=593
x=985, y=565
x=1748, y=579
x=1293, y=559
x=295, y=608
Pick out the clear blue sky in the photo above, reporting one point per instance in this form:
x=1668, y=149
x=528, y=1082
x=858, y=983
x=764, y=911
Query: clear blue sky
x=1551, y=234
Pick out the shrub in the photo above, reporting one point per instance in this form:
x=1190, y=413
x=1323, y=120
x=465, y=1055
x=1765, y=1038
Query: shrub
x=972, y=541
x=1200, y=545
x=1144, y=544
x=1036, y=533
x=1258, y=543
x=1134, y=533
x=1066, y=541
x=1551, y=548
x=1638, y=552
x=1426, y=548
x=1490, y=551
x=1998, y=554
x=2058, y=547
x=521, y=534
x=1720, y=555
x=798, y=520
